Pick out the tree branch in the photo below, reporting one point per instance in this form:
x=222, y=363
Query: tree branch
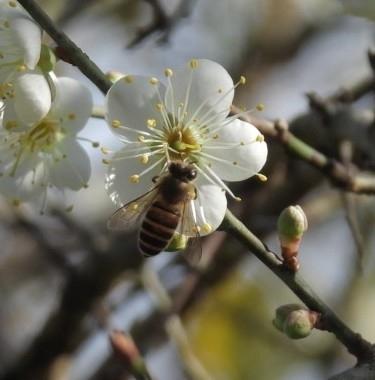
x=355, y=344
x=356, y=182
x=71, y=52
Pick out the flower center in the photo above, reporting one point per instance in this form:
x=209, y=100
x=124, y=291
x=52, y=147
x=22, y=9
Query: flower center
x=42, y=136
x=183, y=141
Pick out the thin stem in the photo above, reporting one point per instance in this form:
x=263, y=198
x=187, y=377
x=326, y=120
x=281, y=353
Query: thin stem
x=74, y=54
x=356, y=345
x=98, y=112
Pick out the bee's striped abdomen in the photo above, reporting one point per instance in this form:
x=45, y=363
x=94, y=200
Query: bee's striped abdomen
x=158, y=227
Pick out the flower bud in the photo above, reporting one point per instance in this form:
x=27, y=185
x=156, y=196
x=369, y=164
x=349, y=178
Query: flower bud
x=178, y=243
x=114, y=75
x=299, y=324
x=126, y=350
x=295, y=321
x=292, y=223
x=124, y=347
x=47, y=60
x=282, y=313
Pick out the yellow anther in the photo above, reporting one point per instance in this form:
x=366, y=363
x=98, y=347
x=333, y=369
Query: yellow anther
x=128, y=79
x=242, y=143
x=72, y=116
x=151, y=123
x=196, y=229
x=242, y=79
x=260, y=138
x=134, y=207
x=141, y=138
x=262, y=177
x=154, y=80
x=206, y=228
x=105, y=161
x=215, y=136
x=238, y=199
x=116, y=123
x=159, y=107
x=12, y=4
x=235, y=163
x=10, y=124
x=21, y=68
x=168, y=72
x=220, y=90
x=134, y=178
x=260, y=107
x=104, y=150
x=193, y=63
x=144, y=159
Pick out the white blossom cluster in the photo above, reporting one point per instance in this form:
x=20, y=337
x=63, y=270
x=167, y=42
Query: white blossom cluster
x=184, y=118
x=41, y=116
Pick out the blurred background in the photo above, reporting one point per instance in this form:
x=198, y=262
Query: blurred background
x=65, y=280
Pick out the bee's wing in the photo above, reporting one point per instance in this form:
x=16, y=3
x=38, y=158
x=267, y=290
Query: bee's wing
x=188, y=226
x=128, y=216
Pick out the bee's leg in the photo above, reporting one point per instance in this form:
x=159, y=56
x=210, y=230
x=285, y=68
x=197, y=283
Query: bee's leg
x=155, y=179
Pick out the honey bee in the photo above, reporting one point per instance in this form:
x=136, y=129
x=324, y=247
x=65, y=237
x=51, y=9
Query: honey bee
x=163, y=211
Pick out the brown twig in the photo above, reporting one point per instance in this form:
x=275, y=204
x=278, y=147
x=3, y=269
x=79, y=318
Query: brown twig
x=359, y=182
x=162, y=23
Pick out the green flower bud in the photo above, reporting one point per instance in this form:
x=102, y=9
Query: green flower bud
x=282, y=314
x=47, y=60
x=299, y=324
x=292, y=223
x=178, y=243
x=114, y=75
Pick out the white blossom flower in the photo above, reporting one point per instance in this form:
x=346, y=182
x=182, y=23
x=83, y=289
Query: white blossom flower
x=186, y=119
x=20, y=43
x=47, y=153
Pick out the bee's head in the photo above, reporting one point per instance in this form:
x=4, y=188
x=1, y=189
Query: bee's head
x=183, y=172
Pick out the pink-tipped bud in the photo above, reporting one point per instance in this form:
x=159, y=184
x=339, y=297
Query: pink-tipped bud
x=124, y=347
x=291, y=225
x=126, y=350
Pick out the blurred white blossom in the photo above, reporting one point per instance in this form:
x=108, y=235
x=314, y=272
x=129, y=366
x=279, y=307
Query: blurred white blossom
x=186, y=119
x=36, y=155
x=20, y=44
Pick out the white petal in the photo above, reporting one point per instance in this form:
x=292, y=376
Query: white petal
x=25, y=184
x=241, y=161
x=72, y=104
x=117, y=183
x=210, y=85
x=11, y=121
x=74, y=170
x=29, y=37
x=212, y=200
x=32, y=97
x=132, y=102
